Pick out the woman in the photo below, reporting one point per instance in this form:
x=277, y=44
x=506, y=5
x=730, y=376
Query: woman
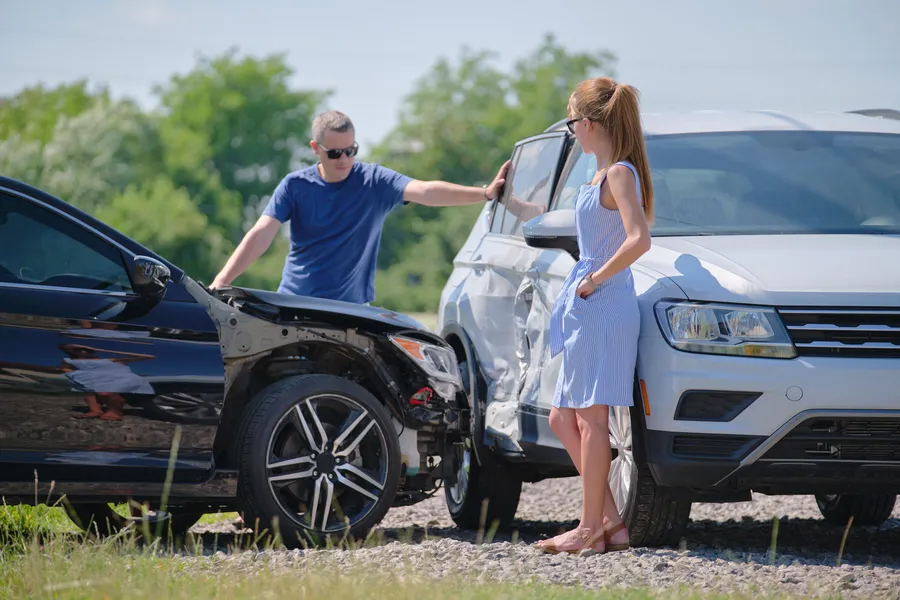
x=595, y=320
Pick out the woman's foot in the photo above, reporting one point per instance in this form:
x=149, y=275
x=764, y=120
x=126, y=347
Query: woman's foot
x=89, y=415
x=573, y=542
x=112, y=415
x=94, y=408
x=616, y=538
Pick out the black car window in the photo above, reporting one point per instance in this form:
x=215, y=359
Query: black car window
x=528, y=193
x=40, y=247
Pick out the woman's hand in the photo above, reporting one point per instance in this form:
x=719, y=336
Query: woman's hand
x=586, y=287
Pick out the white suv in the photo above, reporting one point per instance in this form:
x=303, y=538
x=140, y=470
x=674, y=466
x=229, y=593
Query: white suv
x=769, y=355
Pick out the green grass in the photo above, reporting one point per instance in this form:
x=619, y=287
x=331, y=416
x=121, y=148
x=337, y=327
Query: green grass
x=62, y=563
x=53, y=519
x=17, y=519
x=43, y=555
x=62, y=568
x=212, y=519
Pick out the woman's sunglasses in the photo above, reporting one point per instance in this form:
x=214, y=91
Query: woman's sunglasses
x=571, y=124
x=336, y=153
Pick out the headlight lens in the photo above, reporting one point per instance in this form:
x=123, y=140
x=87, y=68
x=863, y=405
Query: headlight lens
x=724, y=329
x=436, y=361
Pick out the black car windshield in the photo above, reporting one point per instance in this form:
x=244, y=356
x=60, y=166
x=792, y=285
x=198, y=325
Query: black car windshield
x=761, y=182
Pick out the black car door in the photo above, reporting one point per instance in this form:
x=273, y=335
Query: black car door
x=94, y=377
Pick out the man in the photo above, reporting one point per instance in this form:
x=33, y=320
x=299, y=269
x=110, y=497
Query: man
x=336, y=210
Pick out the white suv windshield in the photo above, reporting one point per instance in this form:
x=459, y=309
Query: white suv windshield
x=772, y=182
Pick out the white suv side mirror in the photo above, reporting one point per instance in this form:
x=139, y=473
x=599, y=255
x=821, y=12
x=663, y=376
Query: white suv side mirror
x=555, y=229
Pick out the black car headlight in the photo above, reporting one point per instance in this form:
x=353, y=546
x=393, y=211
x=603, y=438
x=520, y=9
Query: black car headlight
x=724, y=329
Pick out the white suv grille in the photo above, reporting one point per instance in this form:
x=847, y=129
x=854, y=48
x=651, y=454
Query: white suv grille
x=865, y=333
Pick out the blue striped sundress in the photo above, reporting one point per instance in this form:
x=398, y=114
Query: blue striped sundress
x=597, y=335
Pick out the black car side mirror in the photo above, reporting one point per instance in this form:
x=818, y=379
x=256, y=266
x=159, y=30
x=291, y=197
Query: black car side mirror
x=150, y=276
x=555, y=229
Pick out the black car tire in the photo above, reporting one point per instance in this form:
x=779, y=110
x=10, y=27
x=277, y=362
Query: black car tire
x=654, y=515
x=257, y=501
x=866, y=510
x=487, y=480
x=100, y=518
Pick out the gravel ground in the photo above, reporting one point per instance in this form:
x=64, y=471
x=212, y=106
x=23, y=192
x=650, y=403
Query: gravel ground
x=725, y=548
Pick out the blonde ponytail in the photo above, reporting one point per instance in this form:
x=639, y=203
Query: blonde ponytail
x=616, y=108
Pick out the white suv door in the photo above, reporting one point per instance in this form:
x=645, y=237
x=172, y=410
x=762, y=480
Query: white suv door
x=499, y=281
x=550, y=269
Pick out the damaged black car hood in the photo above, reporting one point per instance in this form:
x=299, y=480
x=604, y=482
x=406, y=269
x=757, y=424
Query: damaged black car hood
x=300, y=309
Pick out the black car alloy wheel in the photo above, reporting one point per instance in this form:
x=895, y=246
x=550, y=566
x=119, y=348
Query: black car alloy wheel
x=329, y=457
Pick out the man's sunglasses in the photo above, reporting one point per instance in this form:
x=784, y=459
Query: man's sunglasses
x=335, y=154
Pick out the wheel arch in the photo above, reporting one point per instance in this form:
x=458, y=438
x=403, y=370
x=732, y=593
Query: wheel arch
x=254, y=375
x=639, y=421
x=462, y=344
x=459, y=340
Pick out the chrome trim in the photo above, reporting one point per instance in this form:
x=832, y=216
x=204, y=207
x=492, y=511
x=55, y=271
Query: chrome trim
x=785, y=429
x=50, y=288
x=829, y=327
x=65, y=215
x=880, y=463
x=849, y=311
x=864, y=345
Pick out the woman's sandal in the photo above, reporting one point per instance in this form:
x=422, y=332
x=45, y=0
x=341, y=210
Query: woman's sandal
x=607, y=536
x=588, y=548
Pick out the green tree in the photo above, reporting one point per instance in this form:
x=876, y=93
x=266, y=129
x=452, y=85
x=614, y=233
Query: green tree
x=98, y=153
x=162, y=217
x=90, y=156
x=460, y=124
x=238, y=121
x=33, y=113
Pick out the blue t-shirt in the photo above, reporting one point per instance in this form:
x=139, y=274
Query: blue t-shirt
x=335, y=229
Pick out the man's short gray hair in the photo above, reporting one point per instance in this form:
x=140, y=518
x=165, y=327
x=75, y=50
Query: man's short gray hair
x=332, y=120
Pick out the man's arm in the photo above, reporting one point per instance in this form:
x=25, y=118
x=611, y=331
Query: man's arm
x=255, y=243
x=442, y=193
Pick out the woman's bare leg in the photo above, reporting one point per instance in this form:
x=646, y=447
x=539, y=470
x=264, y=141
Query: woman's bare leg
x=116, y=404
x=596, y=455
x=94, y=408
x=564, y=423
x=593, y=456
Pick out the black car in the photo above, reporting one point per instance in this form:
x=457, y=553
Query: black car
x=308, y=415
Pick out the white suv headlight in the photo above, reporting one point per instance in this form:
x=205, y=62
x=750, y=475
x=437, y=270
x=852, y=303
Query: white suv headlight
x=724, y=329
x=437, y=361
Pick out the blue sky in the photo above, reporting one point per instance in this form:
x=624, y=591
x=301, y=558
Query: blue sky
x=689, y=54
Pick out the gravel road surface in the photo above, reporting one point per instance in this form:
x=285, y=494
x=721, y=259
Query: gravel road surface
x=725, y=548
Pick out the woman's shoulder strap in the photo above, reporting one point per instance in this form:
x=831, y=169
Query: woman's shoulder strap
x=637, y=178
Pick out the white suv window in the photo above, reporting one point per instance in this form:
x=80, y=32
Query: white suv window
x=500, y=207
x=39, y=247
x=531, y=182
x=581, y=172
